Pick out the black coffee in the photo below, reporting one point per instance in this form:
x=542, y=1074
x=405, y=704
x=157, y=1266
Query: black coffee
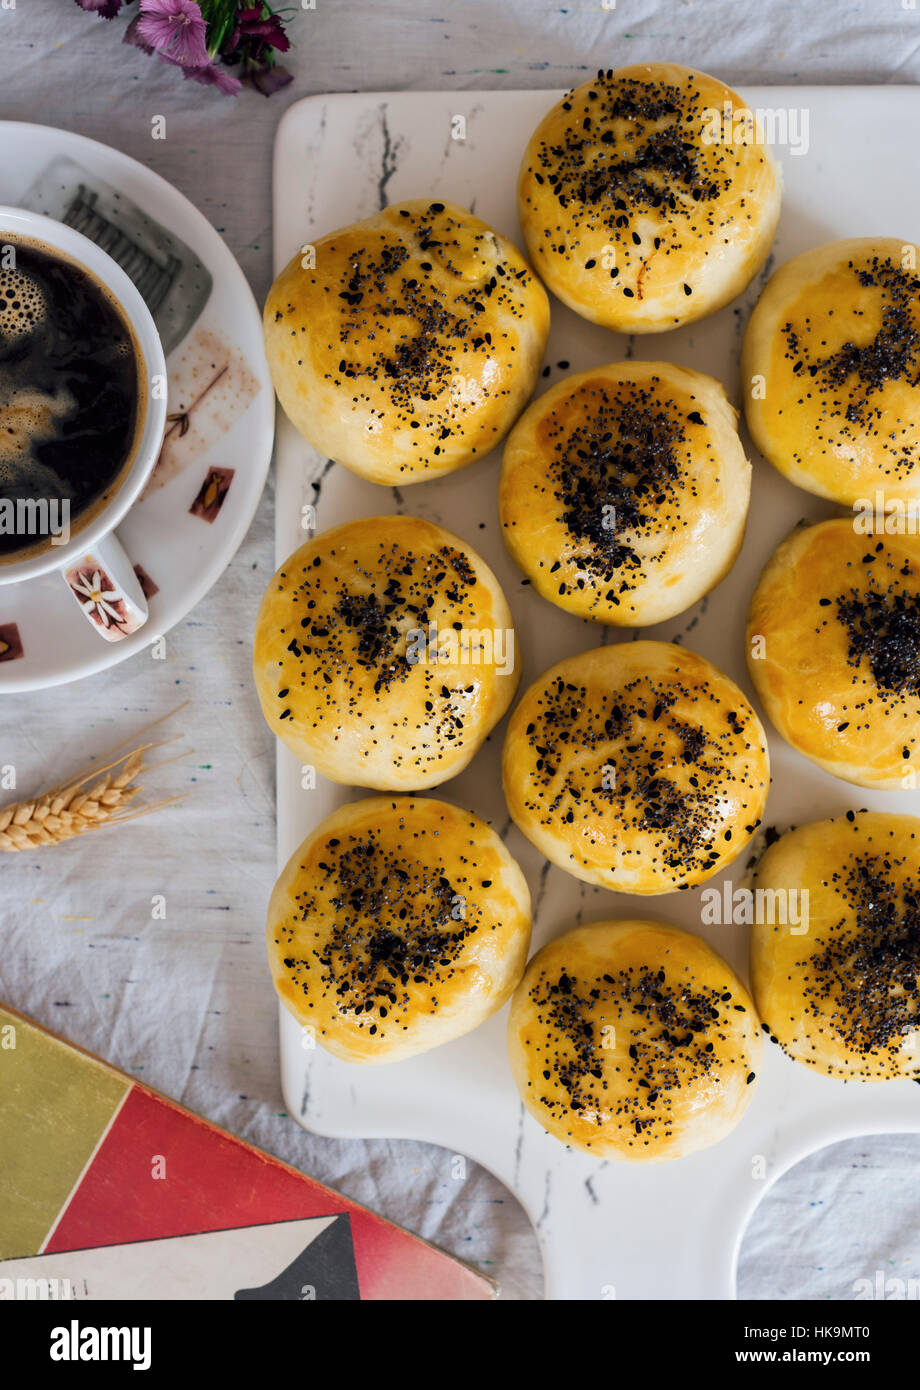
x=71, y=395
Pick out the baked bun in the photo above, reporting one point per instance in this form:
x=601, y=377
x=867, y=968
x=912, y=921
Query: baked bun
x=624, y=491
x=633, y=1040
x=648, y=197
x=831, y=372
x=639, y=767
x=840, y=988
x=412, y=346
x=398, y=925
x=833, y=647
x=385, y=653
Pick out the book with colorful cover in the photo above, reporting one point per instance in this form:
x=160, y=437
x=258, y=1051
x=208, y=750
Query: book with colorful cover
x=109, y=1190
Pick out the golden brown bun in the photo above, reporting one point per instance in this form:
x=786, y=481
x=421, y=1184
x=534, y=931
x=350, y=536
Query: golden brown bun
x=831, y=372
x=398, y=925
x=412, y=346
x=633, y=1040
x=624, y=491
x=843, y=995
x=833, y=647
x=345, y=673
x=639, y=767
x=635, y=212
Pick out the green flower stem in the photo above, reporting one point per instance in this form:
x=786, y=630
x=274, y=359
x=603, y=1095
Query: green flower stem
x=220, y=17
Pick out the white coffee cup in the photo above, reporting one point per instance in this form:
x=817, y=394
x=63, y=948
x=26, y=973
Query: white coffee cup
x=92, y=561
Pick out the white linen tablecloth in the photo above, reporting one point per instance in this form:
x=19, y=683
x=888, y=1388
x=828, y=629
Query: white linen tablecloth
x=185, y=1003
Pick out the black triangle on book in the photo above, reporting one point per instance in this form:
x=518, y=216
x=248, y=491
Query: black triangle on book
x=325, y=1269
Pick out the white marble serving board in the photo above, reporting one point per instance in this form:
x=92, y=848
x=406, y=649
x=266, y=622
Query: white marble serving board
x=607, y=1229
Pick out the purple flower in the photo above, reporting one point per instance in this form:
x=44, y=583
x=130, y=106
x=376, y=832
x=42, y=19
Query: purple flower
x=176, y=30
x=105, y=9
x=212, y=75
x=268, y=32
x=133, y=37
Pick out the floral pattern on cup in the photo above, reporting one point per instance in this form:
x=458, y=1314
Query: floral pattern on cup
x=102, y=601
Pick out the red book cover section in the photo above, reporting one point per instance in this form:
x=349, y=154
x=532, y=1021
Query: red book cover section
x=110, y=1190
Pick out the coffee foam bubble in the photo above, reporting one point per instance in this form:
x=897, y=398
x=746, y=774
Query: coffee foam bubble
x=28, y=418
x=29, y=478
x=22, y=303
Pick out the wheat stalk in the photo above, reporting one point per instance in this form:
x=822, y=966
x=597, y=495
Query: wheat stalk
x=72, y=808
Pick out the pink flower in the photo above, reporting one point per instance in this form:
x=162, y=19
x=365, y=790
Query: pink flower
x=131, y=36
x=176, y=30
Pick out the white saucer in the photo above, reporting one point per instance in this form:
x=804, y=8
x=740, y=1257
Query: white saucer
x=212, y=334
